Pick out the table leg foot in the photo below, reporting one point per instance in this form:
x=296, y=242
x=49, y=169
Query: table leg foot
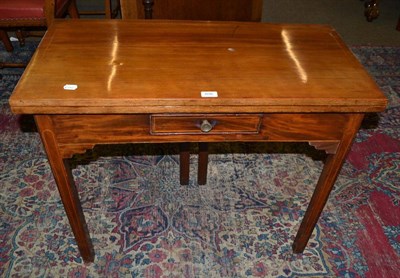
x=325, y=184
x=66, y=187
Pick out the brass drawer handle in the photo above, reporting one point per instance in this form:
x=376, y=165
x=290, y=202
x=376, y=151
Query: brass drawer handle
x=206, y=126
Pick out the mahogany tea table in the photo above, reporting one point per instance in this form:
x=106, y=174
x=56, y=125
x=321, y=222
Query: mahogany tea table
x=182, y=81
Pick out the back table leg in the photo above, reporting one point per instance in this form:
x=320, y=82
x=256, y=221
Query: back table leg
x=203, y=163
x=325, y=184
x=66, y=187
x=184, y=163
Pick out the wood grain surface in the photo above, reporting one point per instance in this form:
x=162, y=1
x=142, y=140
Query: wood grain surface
x=162, y=66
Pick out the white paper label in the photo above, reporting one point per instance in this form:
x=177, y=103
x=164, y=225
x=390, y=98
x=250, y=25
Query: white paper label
x=70, y=87
x=209, y=94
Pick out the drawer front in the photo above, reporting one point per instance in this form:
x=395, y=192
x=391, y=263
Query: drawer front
x=205, y=124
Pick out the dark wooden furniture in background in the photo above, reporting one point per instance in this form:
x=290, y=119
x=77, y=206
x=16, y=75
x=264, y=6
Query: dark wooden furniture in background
x=142, y=82
x=228, y=10
x=398, y=25
x=111, y=10
x=371, y=11
x=15, y=15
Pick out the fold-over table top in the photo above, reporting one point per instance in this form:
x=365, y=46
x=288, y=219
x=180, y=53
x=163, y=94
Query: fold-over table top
x=137, y=66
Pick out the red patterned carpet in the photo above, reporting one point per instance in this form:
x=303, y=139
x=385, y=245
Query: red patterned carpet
x=241, y=224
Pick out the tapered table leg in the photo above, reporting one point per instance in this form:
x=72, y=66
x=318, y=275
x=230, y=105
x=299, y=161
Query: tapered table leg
x=66, y=187
x=325, y=184
x=203, y=163
x=184, y=163
x=6, y=41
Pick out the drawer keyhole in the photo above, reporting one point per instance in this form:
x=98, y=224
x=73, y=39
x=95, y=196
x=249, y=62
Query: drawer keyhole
x=206, y=126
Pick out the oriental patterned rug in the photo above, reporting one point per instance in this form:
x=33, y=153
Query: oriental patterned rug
x=241, y=224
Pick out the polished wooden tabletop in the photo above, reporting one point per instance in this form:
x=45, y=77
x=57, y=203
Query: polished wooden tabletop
x=163, y=66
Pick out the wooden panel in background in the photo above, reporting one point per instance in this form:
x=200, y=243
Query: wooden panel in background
x=229, y=10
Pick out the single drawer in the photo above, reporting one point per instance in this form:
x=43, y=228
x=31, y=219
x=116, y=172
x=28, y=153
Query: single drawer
x=162, y=124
